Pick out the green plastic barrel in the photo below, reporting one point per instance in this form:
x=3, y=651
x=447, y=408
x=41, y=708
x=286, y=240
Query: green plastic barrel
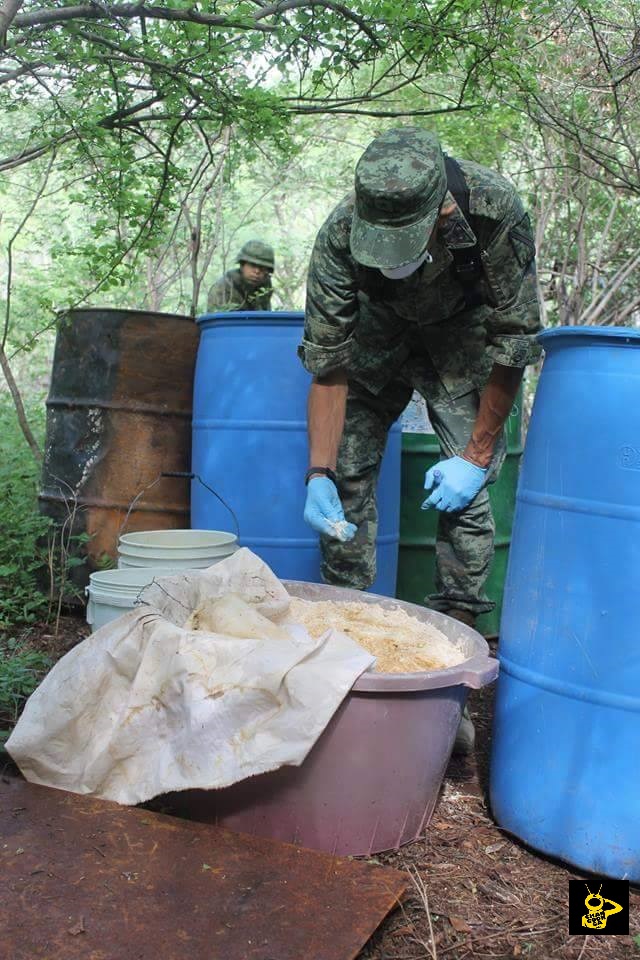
x=417, y=556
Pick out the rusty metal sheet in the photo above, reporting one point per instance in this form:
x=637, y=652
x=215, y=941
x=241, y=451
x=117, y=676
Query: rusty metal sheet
x=85, y=879
x=118, y=415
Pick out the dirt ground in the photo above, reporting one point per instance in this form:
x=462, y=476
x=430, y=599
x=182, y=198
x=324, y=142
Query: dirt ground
x=477, y=892
x=54, y=643
x=480, y=893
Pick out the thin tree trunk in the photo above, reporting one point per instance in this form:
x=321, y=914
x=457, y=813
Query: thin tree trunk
x=593, y=312
x=198, y=270
x=8, y=11
x=20, y=412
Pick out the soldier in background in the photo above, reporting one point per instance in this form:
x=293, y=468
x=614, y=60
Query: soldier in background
x=424, y=278
x=247, y=287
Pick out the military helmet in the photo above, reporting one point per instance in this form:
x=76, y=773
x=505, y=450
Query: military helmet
x=400, y=186
x=255, y=251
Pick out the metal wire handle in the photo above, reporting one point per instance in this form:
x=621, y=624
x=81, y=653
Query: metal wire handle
x=180, y=475
x=196, y=476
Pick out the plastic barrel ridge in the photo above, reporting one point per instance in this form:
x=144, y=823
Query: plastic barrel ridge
x=115, y=421
x=567, y=720
x=250, y=445
x=417, y=555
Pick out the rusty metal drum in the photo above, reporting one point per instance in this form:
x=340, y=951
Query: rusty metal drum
x=118, y=416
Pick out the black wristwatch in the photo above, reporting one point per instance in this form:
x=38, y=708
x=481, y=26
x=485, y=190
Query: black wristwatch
x=324, y=471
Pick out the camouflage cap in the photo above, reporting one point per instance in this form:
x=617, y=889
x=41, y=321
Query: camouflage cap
x=400, y=185
x=257, y=252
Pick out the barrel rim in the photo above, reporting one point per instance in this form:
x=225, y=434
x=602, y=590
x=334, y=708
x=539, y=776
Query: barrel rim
x=595, y=333
x=75, y=311
x=240, y=317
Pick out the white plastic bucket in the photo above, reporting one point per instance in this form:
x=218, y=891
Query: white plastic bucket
x=175, y=549
x=114, y=592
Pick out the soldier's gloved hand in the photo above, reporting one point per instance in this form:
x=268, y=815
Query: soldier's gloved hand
x=455, y=483
x=323, y=510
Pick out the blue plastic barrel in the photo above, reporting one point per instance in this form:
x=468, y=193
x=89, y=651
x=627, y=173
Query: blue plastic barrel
x=250, y=445
x=564, y=767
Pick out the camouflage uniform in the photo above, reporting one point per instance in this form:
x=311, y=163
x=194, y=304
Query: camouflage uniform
x=391, y=336
x=232, y=292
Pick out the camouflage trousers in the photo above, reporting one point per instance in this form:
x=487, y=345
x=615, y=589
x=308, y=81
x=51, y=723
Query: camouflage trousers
x=465, y=540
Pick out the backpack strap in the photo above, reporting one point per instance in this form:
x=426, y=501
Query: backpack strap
x=467, y=261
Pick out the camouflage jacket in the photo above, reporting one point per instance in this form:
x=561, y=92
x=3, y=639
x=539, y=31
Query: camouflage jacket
x=358, y=321
x=232, y=292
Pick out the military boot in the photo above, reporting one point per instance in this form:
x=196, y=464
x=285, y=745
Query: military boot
x=466, y=735
x=464, y=616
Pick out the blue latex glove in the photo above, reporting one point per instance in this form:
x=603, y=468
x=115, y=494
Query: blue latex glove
x=455, y=483
x=323, y=510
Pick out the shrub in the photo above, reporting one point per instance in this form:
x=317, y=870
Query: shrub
x=20, y=673
x=23, y=531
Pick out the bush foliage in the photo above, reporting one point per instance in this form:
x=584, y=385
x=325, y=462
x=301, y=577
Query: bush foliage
x=23, y=552
x=21, y=670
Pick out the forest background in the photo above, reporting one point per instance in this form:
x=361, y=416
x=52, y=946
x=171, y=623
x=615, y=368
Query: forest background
x=142, y=143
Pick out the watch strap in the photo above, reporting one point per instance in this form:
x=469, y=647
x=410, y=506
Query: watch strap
x=323, y=471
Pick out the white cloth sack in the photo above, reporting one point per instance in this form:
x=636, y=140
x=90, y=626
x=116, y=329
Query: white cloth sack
x=144, y=706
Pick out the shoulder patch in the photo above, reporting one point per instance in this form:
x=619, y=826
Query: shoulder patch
x=338, y=224
x=492, y=195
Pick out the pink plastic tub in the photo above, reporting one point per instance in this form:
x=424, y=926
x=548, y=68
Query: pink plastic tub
x=372, y=780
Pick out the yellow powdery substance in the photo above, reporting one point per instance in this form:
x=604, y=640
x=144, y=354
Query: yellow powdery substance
x=401, y=643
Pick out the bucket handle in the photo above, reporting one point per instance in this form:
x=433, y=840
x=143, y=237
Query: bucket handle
x=196, y=476
x=180, y=475
x=484, y=674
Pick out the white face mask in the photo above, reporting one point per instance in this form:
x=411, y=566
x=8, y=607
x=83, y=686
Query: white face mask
x=399, y=273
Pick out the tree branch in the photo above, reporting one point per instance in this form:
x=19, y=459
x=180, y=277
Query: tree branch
x=281, y=7
x=6, y=76
x=330, y=110
x=8, y=11
x=592, y=312
x=109, y=122
x=130, y=11
x=12, y=240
